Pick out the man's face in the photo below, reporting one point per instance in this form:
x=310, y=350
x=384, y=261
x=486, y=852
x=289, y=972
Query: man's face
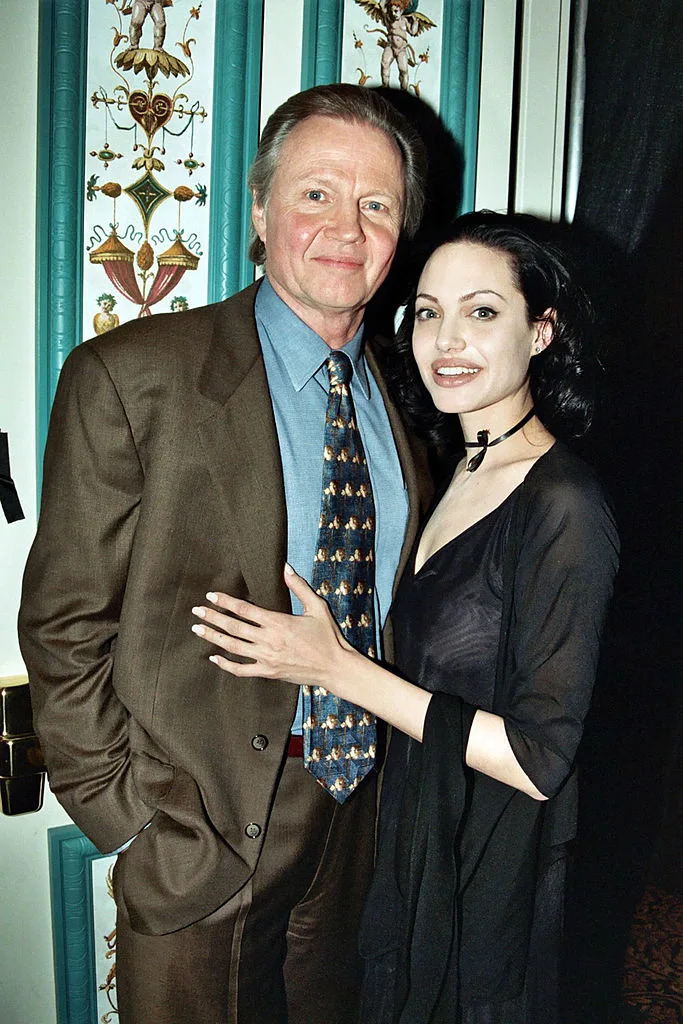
x=332, y=220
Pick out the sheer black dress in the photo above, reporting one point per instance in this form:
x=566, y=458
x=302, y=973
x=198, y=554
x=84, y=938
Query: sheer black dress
x=464, y=919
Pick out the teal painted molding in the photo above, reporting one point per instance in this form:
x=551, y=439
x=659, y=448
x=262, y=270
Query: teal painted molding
x=322, y=42
x=236, y=111
x=59, y=215
x=70, y=855
x=460, y=80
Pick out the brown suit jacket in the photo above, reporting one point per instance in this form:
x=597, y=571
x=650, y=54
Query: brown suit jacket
x=162, y=481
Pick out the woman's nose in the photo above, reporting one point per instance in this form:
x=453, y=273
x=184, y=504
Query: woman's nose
x=449, y=339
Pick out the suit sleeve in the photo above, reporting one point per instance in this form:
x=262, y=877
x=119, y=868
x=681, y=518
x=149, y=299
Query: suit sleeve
x=562, y=589
x=73, y=590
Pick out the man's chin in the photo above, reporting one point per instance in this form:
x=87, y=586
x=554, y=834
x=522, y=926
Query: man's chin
x=339, y=295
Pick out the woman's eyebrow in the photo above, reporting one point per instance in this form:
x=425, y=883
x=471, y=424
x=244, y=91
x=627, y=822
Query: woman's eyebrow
x=463, y=298
x=481, y=291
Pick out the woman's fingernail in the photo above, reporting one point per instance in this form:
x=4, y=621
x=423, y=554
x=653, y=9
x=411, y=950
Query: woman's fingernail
x=198, y=629
x=201, y=612
x=214, y=659
x=212, y=597
x=288, y=569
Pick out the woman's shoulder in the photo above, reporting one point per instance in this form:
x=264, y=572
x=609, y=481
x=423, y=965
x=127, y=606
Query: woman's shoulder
x=563, y=475
x=564, y=517
x=563, y=493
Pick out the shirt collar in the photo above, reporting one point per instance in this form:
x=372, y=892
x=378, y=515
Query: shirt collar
x=299, y=350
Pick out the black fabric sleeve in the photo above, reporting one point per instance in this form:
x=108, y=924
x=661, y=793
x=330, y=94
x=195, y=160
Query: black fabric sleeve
x=563, y=584
x=427, y=864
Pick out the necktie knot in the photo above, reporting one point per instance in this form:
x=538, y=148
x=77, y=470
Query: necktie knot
x=339, y=368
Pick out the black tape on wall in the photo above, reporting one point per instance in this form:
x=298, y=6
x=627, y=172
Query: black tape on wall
x=9, y=499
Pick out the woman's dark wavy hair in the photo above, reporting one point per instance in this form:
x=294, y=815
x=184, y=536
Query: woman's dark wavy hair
x=562, y=376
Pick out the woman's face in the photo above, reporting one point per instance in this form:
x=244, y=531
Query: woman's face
x=472, y=340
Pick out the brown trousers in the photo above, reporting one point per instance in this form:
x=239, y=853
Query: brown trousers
x=283, y=950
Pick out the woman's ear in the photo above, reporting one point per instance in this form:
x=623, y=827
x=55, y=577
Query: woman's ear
x=545, y=331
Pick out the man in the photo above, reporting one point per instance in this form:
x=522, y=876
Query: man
x=185, y=455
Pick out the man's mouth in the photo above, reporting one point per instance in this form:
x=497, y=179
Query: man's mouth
x=341, y=262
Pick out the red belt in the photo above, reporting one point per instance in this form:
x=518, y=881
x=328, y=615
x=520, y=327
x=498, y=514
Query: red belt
x=295, y=747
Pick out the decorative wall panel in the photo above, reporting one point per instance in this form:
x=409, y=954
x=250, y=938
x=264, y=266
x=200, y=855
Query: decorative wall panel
x=84, y=929
x=148, y=121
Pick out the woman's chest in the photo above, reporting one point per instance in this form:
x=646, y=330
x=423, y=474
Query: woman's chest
x=447, y=615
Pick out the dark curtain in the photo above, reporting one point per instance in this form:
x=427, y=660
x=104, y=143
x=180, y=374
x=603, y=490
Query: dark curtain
x=629, y=212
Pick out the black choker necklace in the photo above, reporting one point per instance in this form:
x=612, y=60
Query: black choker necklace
x=484, y=443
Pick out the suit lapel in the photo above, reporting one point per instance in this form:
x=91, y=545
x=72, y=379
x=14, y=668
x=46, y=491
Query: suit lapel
x=239, y=440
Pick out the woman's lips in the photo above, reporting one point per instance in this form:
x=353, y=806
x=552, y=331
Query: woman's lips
x=453, y=375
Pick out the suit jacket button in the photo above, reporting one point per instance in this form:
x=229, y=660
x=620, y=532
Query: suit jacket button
x=253, y=830
x=259, y=742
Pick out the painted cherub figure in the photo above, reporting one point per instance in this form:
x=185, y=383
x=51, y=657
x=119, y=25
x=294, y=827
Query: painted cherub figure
x=138, y=11
x=400, y=19
x=106, y=319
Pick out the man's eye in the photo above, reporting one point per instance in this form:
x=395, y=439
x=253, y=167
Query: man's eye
x=375, y=205
x=314, y=193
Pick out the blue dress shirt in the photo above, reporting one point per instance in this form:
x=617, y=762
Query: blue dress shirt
x=294, y=357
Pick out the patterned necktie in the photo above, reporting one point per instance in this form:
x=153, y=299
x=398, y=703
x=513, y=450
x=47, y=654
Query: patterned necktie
x=339, y=738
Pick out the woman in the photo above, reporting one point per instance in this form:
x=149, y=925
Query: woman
x=497, y=621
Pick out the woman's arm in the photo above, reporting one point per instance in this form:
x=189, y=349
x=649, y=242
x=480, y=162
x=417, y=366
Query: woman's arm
x=489, y=751
x=563, y=582
x=310, y=649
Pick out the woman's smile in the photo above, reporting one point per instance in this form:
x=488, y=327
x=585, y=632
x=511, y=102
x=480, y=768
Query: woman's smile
x=449, y=374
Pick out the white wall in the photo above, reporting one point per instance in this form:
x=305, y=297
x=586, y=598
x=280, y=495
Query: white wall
x=495, y=106
x=532, y=180
x=26, y=984
x=18, y=61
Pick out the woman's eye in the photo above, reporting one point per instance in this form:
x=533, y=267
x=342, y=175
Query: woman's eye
x=483, y=313
x=425, y=314
x=375, y=206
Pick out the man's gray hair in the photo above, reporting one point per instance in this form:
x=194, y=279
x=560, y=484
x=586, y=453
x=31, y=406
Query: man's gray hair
x=346, y=102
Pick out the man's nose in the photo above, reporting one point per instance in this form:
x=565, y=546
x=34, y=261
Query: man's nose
x=345, y=223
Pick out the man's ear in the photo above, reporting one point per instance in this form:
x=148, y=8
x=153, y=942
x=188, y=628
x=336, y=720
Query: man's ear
x=258, y=217
x=545, y=331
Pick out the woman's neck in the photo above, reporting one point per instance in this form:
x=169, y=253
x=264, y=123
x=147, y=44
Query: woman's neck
x=496, y=419
x=528, y=442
